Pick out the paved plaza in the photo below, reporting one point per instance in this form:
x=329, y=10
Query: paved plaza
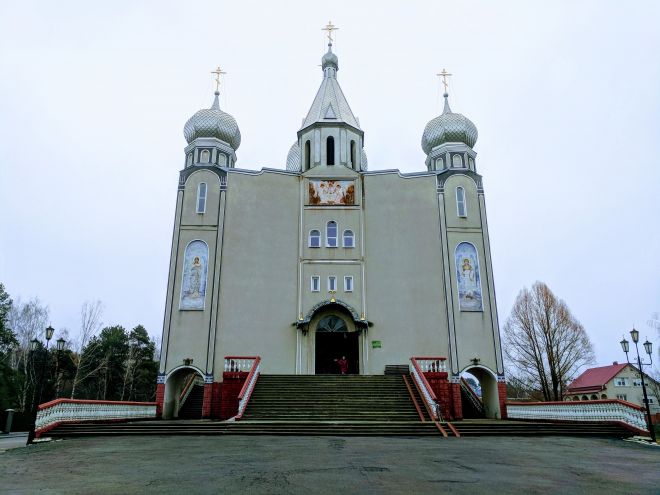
x=333, y=465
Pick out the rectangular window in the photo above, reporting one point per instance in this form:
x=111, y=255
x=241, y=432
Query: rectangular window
x=201, y=197
x=637, y=382
x=348, y=284
x=620, y=382
x=622, y=396
x=316, y=284
x=332, y=283
x=650, y=401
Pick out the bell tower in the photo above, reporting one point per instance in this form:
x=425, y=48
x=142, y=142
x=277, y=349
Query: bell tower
x=330, y=134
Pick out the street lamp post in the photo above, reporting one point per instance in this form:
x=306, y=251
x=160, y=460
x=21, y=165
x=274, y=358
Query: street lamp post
x=648, y=347
x=59, y=347
x=34, y=345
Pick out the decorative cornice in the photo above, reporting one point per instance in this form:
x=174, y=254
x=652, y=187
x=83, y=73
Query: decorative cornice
x=337, y=302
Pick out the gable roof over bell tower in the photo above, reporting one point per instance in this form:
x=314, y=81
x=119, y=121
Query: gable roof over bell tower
x=330, y=104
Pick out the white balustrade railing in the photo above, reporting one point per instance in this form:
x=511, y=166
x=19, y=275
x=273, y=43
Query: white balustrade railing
x=248, y=387
x=597, y=410
x=431, y=364
x=72, y=411
x=238, y=363
x=420, y=365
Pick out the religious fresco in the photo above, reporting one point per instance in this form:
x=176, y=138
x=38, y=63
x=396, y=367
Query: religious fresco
x=331, y=192
x=468, y=278
x=195, y=267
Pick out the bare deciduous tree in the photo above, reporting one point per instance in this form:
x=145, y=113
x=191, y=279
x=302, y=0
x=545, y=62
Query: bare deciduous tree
x=544, y=342
x=28, y=321
x=90, y=323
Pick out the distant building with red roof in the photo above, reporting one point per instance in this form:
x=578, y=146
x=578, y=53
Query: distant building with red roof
x=615, y=381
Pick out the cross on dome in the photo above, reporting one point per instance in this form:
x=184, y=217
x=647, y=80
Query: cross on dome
x=330, y=27
x=217, y=73
x=444, y=75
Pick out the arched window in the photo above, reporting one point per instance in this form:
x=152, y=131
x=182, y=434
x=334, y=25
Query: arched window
x=205, y=156
x=189, y=159
x=471, y=163
x=461, y=208
x=349, y=239
x=330, y=150
x=353, y=162
x=457, y=161
x=604, y=396
x=308, y=154
x=440, y=164
x=201, y=197
x=331, y=234
x=314, y=238
x=594, y=397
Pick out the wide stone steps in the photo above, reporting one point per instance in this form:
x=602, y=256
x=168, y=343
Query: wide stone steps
x=322, y=398
x=339, y=406
x=465, y=428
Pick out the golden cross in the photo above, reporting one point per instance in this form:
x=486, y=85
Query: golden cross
x=217, y=73
x=444, y=74
x=330, y=28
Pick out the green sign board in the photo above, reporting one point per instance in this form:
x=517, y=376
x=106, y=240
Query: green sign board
x=376, y=344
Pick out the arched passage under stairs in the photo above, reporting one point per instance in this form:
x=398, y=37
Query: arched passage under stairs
x=479, y=393
x=180, y=383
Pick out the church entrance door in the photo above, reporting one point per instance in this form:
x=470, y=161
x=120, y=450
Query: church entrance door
x=334, y=341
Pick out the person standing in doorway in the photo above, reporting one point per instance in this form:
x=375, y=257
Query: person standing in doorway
x=343, y=365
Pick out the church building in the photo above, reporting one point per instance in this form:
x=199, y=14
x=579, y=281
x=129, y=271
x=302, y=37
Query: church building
x=324, y=259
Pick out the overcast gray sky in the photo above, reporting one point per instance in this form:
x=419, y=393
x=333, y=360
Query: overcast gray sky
x=566, y=97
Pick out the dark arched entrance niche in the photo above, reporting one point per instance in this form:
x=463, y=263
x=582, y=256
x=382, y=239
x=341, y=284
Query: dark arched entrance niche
x=333, y=342
x=333, y=329
x=485, y=383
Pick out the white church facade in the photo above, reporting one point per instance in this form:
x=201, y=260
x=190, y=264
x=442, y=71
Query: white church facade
x=325, y=259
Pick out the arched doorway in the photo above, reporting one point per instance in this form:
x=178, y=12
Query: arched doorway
x=479, y=394
x=183, y=384
x=335, y=342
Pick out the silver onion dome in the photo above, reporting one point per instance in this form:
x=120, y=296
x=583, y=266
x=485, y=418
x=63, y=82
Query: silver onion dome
x=449, y=128
x=215, y=123
x=293, y=158
x=330, y=59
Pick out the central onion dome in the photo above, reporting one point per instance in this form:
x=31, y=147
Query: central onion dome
x=213, y=123
x=449, y=128
x=330, y=59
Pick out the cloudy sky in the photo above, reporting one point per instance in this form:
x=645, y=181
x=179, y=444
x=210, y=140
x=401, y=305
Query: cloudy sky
x=566, y=97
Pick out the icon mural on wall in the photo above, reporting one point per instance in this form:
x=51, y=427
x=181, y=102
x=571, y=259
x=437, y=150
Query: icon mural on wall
x=195, y=267
x=468, y=278
x=331, y=192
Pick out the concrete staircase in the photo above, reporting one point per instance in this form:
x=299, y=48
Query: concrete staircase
x=336, y=405
x=332, y=405
x=192, y=407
